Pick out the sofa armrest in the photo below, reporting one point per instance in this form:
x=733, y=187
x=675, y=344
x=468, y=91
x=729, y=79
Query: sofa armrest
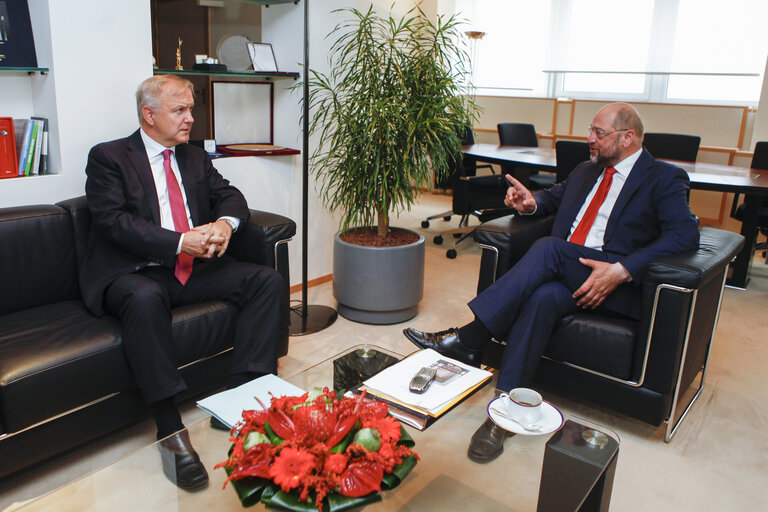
x=505, y=241
x=261, y=239
x=688, y=289
x=690, y=269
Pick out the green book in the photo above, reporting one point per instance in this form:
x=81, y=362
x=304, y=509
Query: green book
x=31, y=156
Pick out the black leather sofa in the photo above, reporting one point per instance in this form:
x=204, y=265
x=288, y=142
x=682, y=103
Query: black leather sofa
x=639, y=368
x=64, y=378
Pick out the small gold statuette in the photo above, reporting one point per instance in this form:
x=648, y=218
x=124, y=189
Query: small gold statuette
x=178, y=55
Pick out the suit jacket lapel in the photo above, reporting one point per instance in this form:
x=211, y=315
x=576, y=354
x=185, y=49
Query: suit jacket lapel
x=188, y=181
x=137, y=154
x=585, y=186
x=637, y=176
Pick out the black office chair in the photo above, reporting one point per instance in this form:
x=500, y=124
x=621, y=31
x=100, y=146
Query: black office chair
x=759, y=161
x=523, y=134
x=470, y=169
x=672, y=146
x=478, y=196
x=569, y=154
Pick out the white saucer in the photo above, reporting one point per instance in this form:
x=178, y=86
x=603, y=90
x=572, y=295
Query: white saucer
x=551, y=419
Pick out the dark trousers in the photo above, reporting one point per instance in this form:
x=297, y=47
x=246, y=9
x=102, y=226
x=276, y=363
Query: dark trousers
x=143, y=301
x=524, y=305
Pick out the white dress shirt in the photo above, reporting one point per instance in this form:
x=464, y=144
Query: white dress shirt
x=596, y=233
x=155, y=155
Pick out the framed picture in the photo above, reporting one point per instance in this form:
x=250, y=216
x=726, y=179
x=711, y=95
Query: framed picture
x=17, y=45
x=262, y=57
x=242, y=112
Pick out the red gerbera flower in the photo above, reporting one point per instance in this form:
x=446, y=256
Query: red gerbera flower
x=336, y=463
x=388, y=428
x=290, y=467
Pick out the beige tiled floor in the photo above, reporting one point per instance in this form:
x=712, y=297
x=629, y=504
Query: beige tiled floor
x=717, y=461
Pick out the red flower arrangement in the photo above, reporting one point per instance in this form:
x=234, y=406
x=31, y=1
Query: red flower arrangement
x=317, y=447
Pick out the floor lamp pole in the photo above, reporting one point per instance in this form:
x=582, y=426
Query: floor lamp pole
x=306, y=319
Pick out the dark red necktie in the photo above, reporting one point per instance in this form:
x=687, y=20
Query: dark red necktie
x=579, y=235
x=183, y=261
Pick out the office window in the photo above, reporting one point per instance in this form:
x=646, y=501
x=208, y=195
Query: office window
x=591, y=40
x=508, y=59
x=712, y=36
x=669, y=50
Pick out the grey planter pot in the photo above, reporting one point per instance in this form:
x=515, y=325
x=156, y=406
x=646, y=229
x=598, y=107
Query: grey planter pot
x=378, y=285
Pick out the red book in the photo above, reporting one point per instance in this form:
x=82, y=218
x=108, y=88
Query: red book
x=9, y=165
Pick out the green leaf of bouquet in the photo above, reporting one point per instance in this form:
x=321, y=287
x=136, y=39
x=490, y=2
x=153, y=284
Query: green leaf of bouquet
x=250, y=490
x=405, y=438
x=276, y=440
x=282, y=500
x=269, y=491
x=398, y=474
x=339, y=503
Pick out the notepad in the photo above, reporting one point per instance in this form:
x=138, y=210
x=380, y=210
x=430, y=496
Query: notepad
x=228, y=406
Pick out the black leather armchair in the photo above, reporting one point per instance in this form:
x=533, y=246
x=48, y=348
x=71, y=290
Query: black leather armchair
x=639, y=368
x=569, y=154
x=64, y=378
x=672, y=146
x=759, y=161
x=523, y=134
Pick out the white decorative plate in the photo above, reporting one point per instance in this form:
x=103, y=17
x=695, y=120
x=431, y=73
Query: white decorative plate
x=233, y=51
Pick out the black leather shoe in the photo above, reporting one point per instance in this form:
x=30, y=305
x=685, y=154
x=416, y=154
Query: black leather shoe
x=217, y=424
x=446, y=343
x=487, y=442
x=181, y=464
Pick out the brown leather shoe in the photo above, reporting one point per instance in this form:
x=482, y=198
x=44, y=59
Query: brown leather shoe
x=487, y=442
x=181, y=464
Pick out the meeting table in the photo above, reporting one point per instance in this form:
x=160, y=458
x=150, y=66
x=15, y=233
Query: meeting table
x=753, y=183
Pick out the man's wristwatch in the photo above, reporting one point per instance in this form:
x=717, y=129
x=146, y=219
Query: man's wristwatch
x=230, y=222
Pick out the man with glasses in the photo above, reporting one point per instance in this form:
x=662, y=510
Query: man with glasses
x=614, y=214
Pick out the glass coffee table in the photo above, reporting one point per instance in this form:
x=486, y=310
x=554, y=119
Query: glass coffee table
x=571, y=469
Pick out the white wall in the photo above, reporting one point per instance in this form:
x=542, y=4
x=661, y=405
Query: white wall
x=97, y=52
x=761, y=121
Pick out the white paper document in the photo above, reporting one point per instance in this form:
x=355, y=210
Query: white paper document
x=452, y=380
x=228, y=406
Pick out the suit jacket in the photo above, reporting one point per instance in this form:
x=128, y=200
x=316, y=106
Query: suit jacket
x=650, y=219
x=125, y=215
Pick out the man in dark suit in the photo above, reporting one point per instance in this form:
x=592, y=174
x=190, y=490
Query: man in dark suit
x=613, y=215
x=162, y=221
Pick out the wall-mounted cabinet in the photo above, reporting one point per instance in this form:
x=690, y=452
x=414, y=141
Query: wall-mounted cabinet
x=20, y=102
x=216, y=29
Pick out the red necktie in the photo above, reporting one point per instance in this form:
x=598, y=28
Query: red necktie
x=579, y=235
x=183, y=261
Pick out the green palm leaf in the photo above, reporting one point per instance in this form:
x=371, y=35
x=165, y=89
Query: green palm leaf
x=388, y=113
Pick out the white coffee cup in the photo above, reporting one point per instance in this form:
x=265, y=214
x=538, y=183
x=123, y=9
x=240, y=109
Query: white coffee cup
x=522, y=404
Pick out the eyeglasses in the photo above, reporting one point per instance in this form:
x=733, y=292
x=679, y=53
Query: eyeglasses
x=600, y=134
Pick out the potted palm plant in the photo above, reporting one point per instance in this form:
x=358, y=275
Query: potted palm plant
x=387, y=117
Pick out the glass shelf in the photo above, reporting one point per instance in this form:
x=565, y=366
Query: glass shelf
x=267, y=2
x=29, y=71
x=239, y=74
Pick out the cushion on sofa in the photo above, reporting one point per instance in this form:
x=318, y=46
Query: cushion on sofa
x=600, y=343
x=55, y=358
x=39, y=263
x=73, y=358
